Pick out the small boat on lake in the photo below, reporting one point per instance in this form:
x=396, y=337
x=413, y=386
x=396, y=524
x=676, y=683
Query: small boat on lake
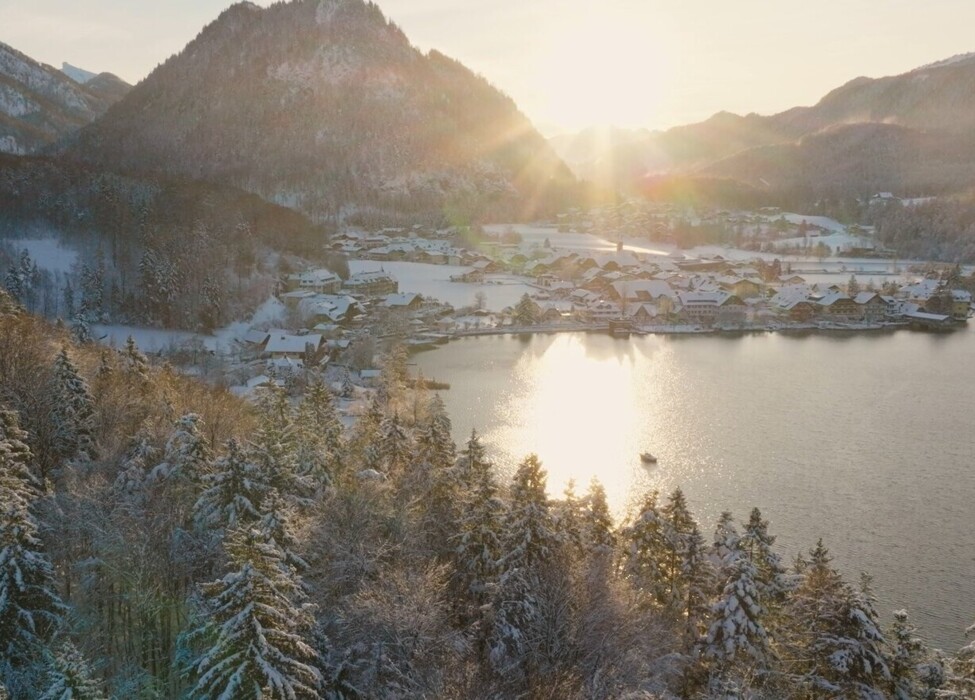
x=647, y=458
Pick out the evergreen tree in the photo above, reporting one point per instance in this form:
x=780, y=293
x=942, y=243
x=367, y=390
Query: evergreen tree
x=70, y=677
x=727, y=546
x=72, y=413
x=645, y=551
x=679, y=526
x=253, y=621
x=232, y=492
x=480, y=522
x=525, y=311
x=531, y=537
x=134, y=361
x=771, y=577
x=188, y=456
x=908, y=654
x=275, y=527
x=319, y=429
x=837, y=641
x=435, y=446
x=13, y=442
x=737, y=629
x=395, y=446
x=698, y=575
x=597, y=526
x=30, y=606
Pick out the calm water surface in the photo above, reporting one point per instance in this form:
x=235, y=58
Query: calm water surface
x=864, y=440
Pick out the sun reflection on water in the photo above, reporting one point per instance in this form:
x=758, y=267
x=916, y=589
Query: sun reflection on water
x=584, y=412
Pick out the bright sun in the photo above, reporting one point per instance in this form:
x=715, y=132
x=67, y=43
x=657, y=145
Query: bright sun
x=602, y=69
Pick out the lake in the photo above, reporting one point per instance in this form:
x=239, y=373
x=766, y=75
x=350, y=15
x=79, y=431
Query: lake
x=865, y=440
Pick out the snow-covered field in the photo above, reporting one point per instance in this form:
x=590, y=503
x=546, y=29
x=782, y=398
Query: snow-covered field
x=434, y=281
x=221, y=341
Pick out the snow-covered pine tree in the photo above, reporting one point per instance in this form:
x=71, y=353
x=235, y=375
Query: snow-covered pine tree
x=857, y=650
x=252, y=623
x=771, y=577
x=434, y=443
x=737, y=631
x=13, y=441
x=531, y=542
x=834, y=639
x=531, y=537
x=133, y=361
x=70, y=677
x=188, y=457
x=645, y=551
x=395, y=446
x=597, y=522
x=907, y=655
x=569, y=514
x=726, y=547
x=232, y=492
x=30, y=606
x=318, y=425
x=680, y=524
x=433, y=480
x=72, y=412
x=275, y=526
x=273, y=448
x=480, y=524
x=698, y=575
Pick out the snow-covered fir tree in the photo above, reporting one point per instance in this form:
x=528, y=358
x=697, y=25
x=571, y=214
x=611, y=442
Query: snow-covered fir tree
x=31, y=609
x=275, y=525
x=133, y=361
x=251, y=629
x=737, y=630
x=319, y=433
x=396, y=446
x=70, y=676
x=13, y=442
x=188, y=456
x=531, y=537
x=481, y=522
x=645, y=552
x=771, y=576
x=232, y=492
x=908, y=658
x=726, y=547
x=72, y=412
x=597, y=521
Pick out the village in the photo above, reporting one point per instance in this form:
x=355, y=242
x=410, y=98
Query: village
x=328, y=321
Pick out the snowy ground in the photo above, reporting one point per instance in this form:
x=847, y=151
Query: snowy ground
x=221, y=341
x=434, y=281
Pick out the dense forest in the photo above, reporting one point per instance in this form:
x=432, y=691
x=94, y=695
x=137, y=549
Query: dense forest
x=939, y=229
x=158, y=251
x=160, y=538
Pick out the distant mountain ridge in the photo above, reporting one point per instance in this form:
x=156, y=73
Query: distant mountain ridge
x=324, y=105
x=905, y=132
x=39, y=104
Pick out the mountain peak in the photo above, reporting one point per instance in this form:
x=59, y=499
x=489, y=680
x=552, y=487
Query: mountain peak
x=325, y=105
x=79, y=75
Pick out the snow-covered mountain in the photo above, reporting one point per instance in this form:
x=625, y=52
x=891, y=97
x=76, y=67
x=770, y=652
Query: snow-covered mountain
x=325, y=105
x=39, y=104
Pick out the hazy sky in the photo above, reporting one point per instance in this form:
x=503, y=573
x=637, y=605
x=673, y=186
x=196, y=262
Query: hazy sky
x=569, y=63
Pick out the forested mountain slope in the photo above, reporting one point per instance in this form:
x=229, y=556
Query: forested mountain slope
x=325, y=105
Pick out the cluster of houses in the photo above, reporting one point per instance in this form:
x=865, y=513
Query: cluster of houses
x=715, y=292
